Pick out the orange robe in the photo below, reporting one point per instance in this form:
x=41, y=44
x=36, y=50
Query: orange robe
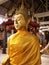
x=24, y=49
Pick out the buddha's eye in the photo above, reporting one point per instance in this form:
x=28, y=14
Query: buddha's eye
x=18, y=19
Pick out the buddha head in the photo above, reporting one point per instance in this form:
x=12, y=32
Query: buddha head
x=21, y=18
x=19, y=21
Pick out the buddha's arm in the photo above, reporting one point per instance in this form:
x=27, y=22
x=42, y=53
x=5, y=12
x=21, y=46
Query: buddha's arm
x=7, y=59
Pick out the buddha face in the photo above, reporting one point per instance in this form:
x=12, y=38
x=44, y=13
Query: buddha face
x=19, y=21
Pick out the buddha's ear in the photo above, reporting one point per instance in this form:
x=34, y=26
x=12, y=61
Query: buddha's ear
x=27, y=23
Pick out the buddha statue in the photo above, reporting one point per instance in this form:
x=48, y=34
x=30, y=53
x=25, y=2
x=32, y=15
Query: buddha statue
x=23, y=47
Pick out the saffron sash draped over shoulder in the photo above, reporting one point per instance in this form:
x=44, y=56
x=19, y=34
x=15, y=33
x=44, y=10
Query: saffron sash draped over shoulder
x=24, y=49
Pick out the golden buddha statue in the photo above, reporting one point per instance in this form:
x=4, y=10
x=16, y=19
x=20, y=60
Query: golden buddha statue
x=23, y=47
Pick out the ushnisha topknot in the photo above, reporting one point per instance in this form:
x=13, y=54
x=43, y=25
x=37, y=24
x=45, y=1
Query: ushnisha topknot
x=22, y=10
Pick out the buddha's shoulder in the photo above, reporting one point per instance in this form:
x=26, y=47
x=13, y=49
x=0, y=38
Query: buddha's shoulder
x=12, y=36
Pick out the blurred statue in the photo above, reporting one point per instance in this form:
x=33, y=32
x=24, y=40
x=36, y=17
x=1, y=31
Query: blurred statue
x=23, y=47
